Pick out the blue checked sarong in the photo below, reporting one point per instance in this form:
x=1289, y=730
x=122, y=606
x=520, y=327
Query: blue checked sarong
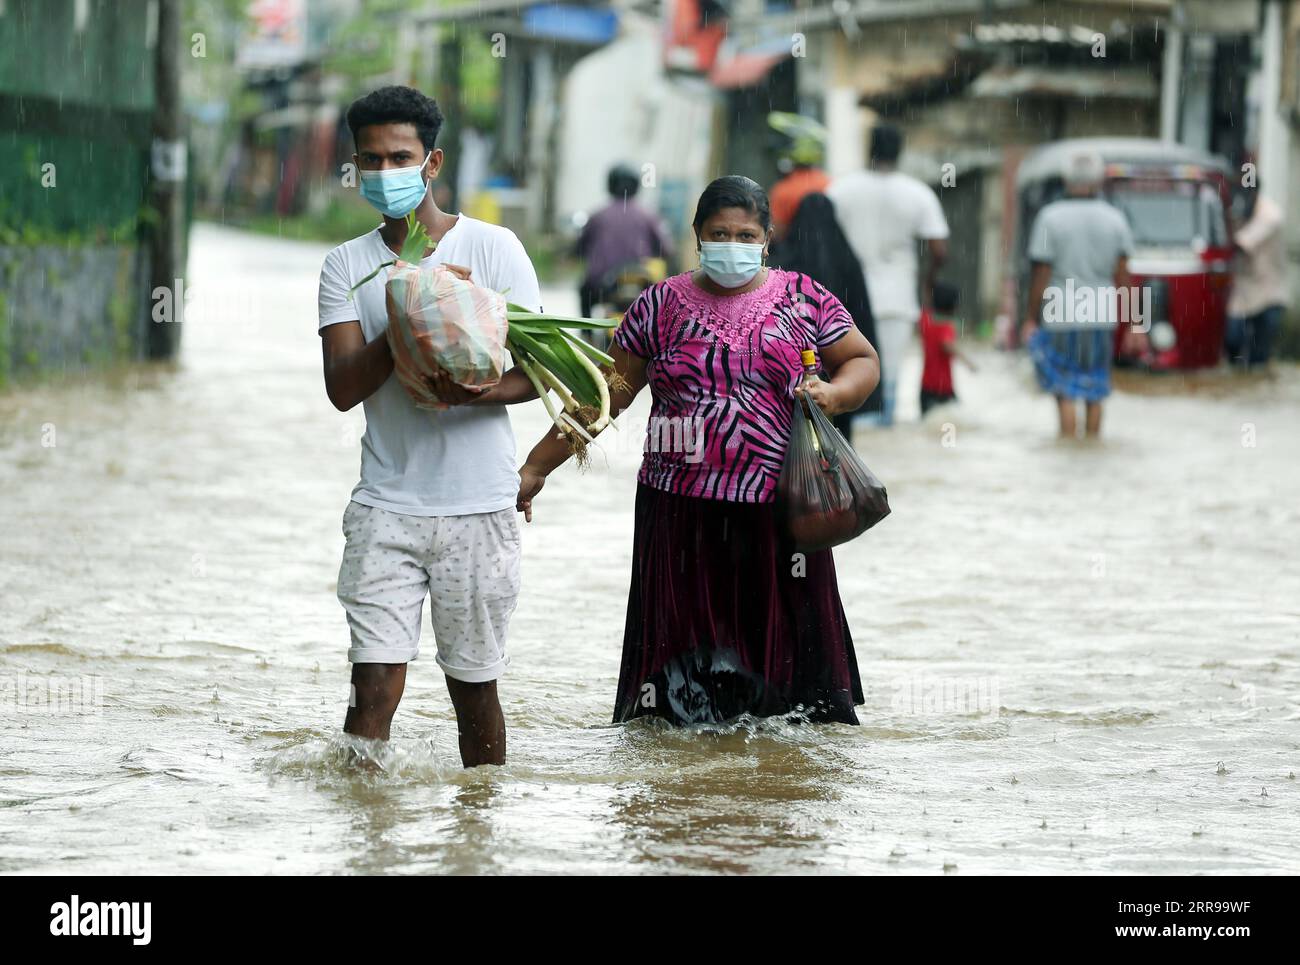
x=1074, y=363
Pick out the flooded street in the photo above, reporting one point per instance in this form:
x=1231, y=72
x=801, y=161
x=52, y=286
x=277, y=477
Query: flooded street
x=1077, y=658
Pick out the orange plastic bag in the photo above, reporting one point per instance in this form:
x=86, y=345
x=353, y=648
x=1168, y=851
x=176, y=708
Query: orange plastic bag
x=436, y=319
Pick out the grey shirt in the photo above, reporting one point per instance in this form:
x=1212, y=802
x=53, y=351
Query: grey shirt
x=1082, y=239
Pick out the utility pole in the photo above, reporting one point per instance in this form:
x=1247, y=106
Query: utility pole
x=449, y=97
x=167, y=173
x=1171, y=76
x=1274, y=130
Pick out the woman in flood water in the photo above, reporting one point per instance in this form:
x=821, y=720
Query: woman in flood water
x=723, y=618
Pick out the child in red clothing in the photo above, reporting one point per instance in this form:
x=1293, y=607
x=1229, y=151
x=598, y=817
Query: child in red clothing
x=939, y=344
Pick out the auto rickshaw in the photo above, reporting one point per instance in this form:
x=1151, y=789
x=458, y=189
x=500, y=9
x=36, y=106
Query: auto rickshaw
x=1174, y=198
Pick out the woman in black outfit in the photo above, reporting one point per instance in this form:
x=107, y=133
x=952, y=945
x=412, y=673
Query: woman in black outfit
x=816, y=246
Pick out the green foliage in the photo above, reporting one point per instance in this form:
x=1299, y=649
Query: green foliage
x=549, y=254
x=417, y=241
x=120, y=306
x=31, y=234
x=412, y=253
x=336, y=223
x=480, y=82
x=5, y=343
x=365, y=46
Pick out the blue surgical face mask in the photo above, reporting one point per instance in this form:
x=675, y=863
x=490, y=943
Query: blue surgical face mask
x=396, y=191
x=730, y=263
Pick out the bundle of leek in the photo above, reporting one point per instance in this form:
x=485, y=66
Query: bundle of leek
x=553, y=357
x=545, y=347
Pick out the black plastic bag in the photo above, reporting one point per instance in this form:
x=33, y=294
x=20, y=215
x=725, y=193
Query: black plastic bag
x=825, y=495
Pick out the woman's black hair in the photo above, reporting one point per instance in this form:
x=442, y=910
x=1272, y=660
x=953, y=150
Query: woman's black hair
x=397, y=105
x=733, y=191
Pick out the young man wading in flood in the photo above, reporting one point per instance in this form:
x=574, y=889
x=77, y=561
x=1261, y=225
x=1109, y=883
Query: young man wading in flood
x=434, y=511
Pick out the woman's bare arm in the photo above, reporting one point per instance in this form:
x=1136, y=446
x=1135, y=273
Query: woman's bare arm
x=552, y=450
x=854, y=368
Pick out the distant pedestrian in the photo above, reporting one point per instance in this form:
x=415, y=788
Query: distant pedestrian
x=1079, y=248
x=884, y=213
x=939, y=347
x=801, y=167
x=804, y=178
x=1259, y=290
x=620, y=235
x=815, y=246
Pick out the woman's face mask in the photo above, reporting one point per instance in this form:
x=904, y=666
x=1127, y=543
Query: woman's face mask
x=730, y=264
x=396, y=191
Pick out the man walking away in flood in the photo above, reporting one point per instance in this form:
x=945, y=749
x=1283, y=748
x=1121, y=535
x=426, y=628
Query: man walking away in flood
x=433, y=514
x=884, y=213
x=1259, y=291
x=1079, y=248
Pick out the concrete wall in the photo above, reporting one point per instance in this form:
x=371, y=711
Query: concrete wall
x=65, y=309
x=76, y=110
x=662, y=126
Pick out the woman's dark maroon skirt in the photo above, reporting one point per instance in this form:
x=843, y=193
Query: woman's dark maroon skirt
x=723, y=620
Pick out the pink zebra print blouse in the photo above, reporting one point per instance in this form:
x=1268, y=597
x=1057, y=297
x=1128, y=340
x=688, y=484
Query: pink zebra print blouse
x=722, y=371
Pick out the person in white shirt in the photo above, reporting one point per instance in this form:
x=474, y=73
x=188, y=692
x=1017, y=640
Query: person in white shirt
x=884, y=213
x=1259, y=289
x=433, y=513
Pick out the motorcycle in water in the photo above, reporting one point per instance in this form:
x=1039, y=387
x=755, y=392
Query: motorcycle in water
x=620, y=288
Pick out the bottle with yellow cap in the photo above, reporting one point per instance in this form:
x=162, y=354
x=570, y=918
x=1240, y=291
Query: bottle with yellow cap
x=811, y=376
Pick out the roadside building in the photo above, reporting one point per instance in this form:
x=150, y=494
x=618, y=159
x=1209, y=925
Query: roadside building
x=86, y=213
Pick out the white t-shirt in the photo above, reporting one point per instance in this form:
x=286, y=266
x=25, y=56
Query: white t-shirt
x=416, y=461
x=1261, y=267
x=883, y=214
x=1083, y=240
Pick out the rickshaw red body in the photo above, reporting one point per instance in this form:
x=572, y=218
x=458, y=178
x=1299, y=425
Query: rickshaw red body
x=1175, y=199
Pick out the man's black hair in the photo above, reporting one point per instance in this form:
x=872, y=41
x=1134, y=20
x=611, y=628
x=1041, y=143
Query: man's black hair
x=886, y=143
x=397, y=105
x=623, y=182
x=733, y=191
x=945, y=297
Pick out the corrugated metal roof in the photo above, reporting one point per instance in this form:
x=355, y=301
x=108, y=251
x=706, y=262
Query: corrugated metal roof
x=1130, y=83
x=1049, y=160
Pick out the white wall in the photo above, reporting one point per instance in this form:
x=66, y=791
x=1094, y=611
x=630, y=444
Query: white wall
x=846, y=146
x=619, y=106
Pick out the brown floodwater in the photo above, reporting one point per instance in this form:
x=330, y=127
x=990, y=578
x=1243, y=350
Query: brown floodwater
x=1078, y=658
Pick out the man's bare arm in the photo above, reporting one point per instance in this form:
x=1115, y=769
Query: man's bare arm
x=1042, y=274
x=938, y=254
x=514, y=387
x=1123, y=279
x=354, y=368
